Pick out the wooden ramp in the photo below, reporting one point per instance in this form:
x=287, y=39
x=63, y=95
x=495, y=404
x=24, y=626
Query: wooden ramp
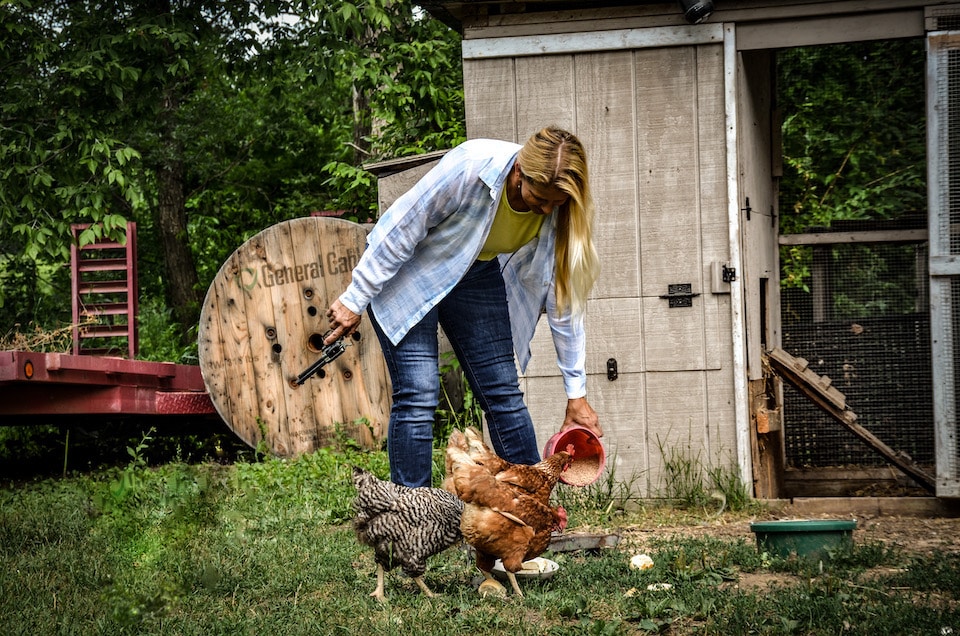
x=818, y=390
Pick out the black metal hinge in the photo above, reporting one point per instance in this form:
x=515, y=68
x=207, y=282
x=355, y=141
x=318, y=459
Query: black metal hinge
x=680, y=295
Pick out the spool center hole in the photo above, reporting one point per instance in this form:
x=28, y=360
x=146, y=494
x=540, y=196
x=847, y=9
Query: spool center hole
x=315, y=342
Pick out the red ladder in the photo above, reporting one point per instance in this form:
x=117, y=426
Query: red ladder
x=104, y=282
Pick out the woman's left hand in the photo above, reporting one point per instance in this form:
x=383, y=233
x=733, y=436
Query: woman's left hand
x=580, y=413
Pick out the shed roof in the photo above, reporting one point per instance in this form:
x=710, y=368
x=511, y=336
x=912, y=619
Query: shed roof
x=452, y=13
x=461, y=14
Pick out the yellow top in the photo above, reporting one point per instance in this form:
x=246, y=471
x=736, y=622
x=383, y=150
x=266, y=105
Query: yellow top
x=511, y=230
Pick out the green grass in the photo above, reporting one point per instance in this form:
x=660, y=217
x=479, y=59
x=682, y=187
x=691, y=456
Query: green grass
x=266, y=548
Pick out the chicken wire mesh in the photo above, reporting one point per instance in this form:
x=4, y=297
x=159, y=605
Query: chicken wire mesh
x=870, y=334
x=944, y=65
x=856, y=305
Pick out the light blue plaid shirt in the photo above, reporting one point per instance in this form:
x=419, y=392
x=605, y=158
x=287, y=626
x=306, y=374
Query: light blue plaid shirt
x=428, y=239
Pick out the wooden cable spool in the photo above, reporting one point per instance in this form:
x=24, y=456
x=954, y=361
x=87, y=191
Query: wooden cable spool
x=262, y=325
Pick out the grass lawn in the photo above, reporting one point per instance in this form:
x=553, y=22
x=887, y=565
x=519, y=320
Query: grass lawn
x=266, y=548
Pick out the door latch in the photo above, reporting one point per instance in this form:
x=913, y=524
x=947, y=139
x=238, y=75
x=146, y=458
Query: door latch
x=612, y=372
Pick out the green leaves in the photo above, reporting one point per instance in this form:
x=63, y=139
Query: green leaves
x=854, y=140
x=248, y=113
x=853, y=131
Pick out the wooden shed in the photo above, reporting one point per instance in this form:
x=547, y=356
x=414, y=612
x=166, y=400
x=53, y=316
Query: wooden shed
x=682, y=136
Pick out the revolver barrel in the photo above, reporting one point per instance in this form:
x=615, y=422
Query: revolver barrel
x=328, y=354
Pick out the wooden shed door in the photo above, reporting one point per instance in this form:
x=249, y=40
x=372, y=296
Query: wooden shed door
x=943, y=121
x=659, y=351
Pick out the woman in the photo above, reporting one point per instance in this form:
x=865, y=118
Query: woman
x=481, y=245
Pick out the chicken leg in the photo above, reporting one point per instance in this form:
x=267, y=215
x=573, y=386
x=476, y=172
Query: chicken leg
x=423, y=586
x=378, y=592
x=513, y=582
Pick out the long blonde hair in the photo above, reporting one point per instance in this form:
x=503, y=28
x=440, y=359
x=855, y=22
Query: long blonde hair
x=555, y=157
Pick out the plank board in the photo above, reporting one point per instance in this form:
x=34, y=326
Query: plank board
x=668, y=170
x=605, y=111
x=678, y=427
x=261, y=326
x=711, y=149
x=551, y=80
x=490, y=99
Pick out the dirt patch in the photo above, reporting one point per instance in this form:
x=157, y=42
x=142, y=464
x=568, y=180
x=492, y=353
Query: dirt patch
x=756, y=581
x=910, y=535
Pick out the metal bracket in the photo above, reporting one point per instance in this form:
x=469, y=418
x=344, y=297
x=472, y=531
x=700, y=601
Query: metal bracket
x=729, y=274
x=680, y=295
x=612, y=372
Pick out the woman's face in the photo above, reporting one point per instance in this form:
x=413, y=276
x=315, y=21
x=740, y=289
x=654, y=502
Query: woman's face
x=541, y=199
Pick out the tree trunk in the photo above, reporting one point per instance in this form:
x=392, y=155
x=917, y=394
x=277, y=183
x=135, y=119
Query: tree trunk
x=183, y=283
x=182, y=280
x=363, y=124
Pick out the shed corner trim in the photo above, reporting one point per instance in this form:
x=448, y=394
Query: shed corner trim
x=619, y=39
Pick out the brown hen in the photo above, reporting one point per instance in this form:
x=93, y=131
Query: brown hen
x=507, y=512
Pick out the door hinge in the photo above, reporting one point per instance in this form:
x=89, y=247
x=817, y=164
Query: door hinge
x=680, y=295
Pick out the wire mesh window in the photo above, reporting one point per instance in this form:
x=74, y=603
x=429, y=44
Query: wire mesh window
x=950, y=373
x=953, y=145
x=854, y=299
x=947, y=224
x=872, y=339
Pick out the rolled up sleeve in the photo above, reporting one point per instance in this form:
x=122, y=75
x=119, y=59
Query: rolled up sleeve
x=570, y=341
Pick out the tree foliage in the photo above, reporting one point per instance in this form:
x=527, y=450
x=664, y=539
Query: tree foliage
x=853, y=141
x=853, y=131
x=204, y=121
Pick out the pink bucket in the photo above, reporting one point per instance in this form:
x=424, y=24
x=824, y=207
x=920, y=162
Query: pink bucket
x=589, y=457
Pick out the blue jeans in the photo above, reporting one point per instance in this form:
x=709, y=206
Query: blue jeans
x=475, y=319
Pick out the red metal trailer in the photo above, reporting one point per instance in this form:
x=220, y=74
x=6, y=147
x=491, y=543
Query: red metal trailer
x=91, y=382
x=33, y=384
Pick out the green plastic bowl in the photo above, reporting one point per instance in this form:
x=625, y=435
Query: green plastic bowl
x=813, y=539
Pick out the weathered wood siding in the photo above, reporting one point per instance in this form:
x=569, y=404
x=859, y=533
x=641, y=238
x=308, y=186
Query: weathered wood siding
x=653, y=123
x=679, y=125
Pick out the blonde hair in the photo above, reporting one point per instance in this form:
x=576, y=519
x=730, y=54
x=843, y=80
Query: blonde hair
x=555, y=157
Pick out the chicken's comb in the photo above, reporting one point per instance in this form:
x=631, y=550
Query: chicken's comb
x=571, y=449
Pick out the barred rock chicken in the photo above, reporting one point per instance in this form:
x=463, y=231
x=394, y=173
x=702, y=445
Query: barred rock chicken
x=507, y=512
x=404, y=526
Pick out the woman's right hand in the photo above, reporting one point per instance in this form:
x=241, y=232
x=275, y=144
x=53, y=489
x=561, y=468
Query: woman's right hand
x=343, y=322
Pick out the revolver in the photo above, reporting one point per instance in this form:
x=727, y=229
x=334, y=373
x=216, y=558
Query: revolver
x=328, y=353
